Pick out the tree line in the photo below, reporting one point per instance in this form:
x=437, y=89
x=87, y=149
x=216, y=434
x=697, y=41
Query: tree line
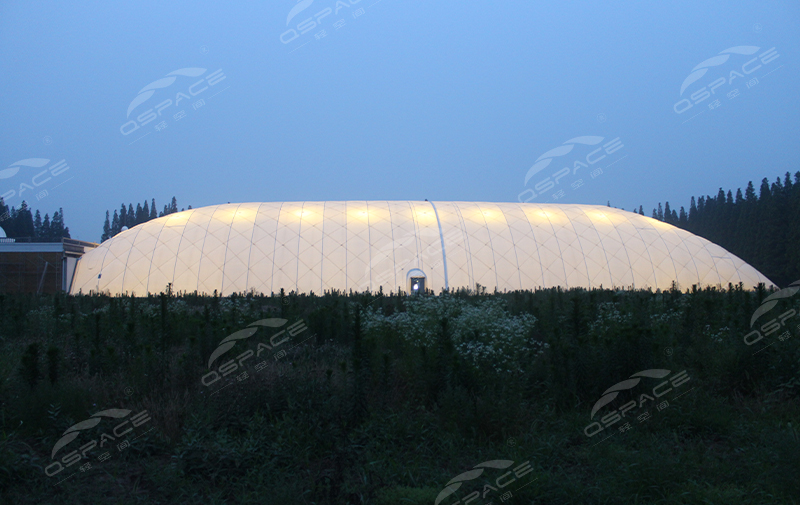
x=762, y=230
x=21, y=223
x=128, y=217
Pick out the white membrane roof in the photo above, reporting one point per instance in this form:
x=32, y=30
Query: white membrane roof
x=362, y=245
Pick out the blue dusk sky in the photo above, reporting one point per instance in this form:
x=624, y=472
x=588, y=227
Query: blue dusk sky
x=633, y=102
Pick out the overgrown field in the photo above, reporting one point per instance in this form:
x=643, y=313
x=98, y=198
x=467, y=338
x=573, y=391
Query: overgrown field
x=546, y=397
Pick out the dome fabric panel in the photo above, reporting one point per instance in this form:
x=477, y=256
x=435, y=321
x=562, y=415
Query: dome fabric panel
x=366, y=245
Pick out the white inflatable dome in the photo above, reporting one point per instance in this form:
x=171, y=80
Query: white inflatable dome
x=365, y=245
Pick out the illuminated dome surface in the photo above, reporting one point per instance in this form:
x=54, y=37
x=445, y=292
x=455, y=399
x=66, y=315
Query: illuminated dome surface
x=363, y=245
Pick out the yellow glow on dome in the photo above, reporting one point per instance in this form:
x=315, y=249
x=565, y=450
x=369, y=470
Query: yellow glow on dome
x=492, y=215
x=244, y=214
x=359, y=214
x=425, y=216
x=178, y=219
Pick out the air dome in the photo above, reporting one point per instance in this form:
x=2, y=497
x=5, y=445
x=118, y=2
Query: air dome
x=366, y=245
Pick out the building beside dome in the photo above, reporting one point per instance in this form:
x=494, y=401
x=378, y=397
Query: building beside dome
x=39, y=267
x=396, y=245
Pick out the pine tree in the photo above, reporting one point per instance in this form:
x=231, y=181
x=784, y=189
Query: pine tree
x=9, y=224
x=764, y=191
x=667, y=213
x=63, y=231
x=46, y=232
x=153, y=214
x=123, y=217
x=56, y=227
x=106, y=229
x=145, y=212
x=173, y=206
x=660, y=212
x=23, y=221
x=115, y=226
x=641, y=211
x=37, y=226
x=750, y=193
x=130, y=222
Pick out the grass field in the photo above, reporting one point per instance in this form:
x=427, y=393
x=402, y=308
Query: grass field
x=546, y=397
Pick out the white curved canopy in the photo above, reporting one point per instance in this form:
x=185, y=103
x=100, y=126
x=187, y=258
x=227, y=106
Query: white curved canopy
x=360, y=245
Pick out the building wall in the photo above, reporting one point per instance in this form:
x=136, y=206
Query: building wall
x=22, y=272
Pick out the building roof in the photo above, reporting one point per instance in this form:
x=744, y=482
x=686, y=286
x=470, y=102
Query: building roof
x=363, y=245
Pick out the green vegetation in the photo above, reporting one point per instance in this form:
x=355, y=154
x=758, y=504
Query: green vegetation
x=384, y=399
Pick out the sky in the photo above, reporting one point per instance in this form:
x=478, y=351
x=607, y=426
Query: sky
x=631, y=103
